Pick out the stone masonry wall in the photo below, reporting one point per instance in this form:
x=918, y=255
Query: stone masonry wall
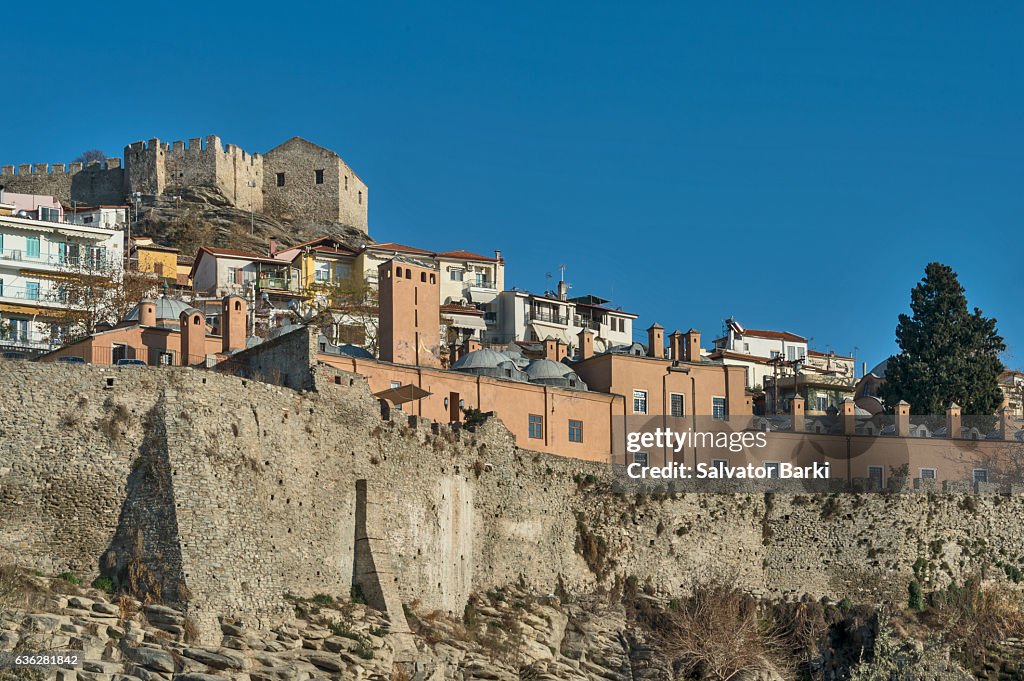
x=96, y=183
x=241, y=491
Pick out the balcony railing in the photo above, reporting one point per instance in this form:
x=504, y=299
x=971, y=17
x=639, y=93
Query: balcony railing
x=34, y=294
x=546, y=316
x=276, y=283
x=18, y=255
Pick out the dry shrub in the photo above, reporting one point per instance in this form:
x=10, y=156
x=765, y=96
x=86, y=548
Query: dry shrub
x=974, y=618
x=718, y=633
x=191, y=628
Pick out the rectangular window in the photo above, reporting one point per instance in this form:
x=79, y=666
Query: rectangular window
x=32, y=290
x=575, y=431
x=927, y=473
x=457, y=274
x=790, y=353
x=980, y=475
x=319, y=176
x=280, y=179
x=676, y=404
x=876, y=476
x=1, y=287
x=49, y=214
x=822, y=403
x=718, y=410
x=640, y=458
x=396, y=384
x=536, y=426
x=772, y=468
x=639, y=401
x=322, y=272
x=481, y=279
x=720, y=464
x=774, y=354
x=342, y=271
x=32, y=247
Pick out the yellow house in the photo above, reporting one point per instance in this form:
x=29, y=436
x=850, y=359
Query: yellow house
x=151, y=258
x=321, y=263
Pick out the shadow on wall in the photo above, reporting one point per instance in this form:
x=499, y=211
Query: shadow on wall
x=144, y=556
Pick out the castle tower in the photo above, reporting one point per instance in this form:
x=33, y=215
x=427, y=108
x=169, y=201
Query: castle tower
x=410, y=313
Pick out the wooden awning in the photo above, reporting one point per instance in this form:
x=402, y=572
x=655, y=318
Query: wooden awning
x=402, y=394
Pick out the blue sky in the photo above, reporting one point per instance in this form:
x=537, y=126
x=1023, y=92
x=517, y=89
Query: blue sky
x=795, y=166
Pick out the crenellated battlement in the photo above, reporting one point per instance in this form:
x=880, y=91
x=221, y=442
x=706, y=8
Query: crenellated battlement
x=58, y=168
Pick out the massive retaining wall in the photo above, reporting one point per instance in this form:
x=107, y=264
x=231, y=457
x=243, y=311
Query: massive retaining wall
x=232, y=492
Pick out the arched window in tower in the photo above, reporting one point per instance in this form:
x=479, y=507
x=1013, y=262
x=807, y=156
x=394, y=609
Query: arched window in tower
x=360, y=198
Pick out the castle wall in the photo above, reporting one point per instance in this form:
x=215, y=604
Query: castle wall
x=340, y=197
x=243, y=491
x=97, y=183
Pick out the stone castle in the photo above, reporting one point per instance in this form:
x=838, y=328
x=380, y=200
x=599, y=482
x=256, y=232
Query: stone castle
x=296, y=180
x=238, y=492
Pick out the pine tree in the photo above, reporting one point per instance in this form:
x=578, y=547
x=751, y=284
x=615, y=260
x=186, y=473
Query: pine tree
x=947, y=353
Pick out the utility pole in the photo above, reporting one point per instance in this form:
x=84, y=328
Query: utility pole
x=252, y=207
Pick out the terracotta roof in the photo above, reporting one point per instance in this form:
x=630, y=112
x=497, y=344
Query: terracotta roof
x=232, y=253
x=319, y=239
x=462, y=309
x=156, y=247
x=464, y=255
x=815, y=353
x=775, y=335
x=391, y=246
x=720, y=352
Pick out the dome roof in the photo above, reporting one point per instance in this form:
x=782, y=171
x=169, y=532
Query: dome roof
x=166, y=309
x=880, y=368
x=546, y=368
x=481, y=359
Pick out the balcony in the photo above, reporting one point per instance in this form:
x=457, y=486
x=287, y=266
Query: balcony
x=547, y=316
x=276, y=284
x=17, y=257
x=33, y=295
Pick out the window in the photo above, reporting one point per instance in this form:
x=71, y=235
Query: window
x=876, y=476
x=536, y=426
x=746, y=347
x=32, y=290
x=772, y=468
x=280, y=179
x=346, y=182
x=342, y=271
x=639, y=401
x=319, y=176
x=790, y=353
x=1, y=287
x=322, y=272
x=640, y=458
x=481, y=280
x=927, y=473
x=676, y=404
x=822, y=402
x=720, y=464
x=457, y=274
x=165, y=359
x=718, y=411
x=360, y=198
x=575, y=431
x=980, y=475
x=396, y=384
x=774, y=354
x=32, y=247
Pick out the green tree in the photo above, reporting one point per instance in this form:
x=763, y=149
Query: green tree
x=947, y=354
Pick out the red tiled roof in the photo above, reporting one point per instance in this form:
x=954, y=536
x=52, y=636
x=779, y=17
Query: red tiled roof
x=319, y=239
x=720, y=352
x=826, y=354
x=391, y=246
x=465, y=255
x=232, y=253
x=462, y=309
x=775, y=335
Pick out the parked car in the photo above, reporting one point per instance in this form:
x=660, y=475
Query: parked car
x=71, y=359
x=130, y=363
x=14, y=355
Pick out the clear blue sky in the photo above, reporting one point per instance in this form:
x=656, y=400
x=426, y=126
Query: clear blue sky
x=795, y=165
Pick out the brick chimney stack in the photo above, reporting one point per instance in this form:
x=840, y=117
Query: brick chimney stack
x=656, y=340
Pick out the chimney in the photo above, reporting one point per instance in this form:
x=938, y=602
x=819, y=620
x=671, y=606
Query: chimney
x=954, y=422
x=903, y=419
x=849, y=414
x=676, y=345
x=563, y=290
x=1005, y=427
x=471, y=345
x=692, y=350
x=273, y=247
x=147, y=313
x=551, y=349
x=193, y=337
x=656, y=340
x=796, y=410
x=233, y=323
x=497, y=255
x=586, y=344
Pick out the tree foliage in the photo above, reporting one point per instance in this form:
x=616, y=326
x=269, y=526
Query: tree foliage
x=947, y=354
x=90, y=155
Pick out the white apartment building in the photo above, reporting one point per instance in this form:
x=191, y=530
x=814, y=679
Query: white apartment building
x=757, y=350
x=36, y=259
x=523, y=316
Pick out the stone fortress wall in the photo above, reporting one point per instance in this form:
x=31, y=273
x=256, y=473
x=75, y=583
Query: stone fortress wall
x=317, y=185
x=239, y=491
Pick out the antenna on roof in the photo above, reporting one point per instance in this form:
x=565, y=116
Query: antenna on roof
x=562, y=268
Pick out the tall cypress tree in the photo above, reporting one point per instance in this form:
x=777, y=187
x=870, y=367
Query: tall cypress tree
x=947, y=353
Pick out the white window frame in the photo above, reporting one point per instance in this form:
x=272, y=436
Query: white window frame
x=671, y=407
x=725, y=408
x=974, y=474
x=770, y=466
x=881, y=476
x=457, y=273
x=637, y=396
x=819, y=399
